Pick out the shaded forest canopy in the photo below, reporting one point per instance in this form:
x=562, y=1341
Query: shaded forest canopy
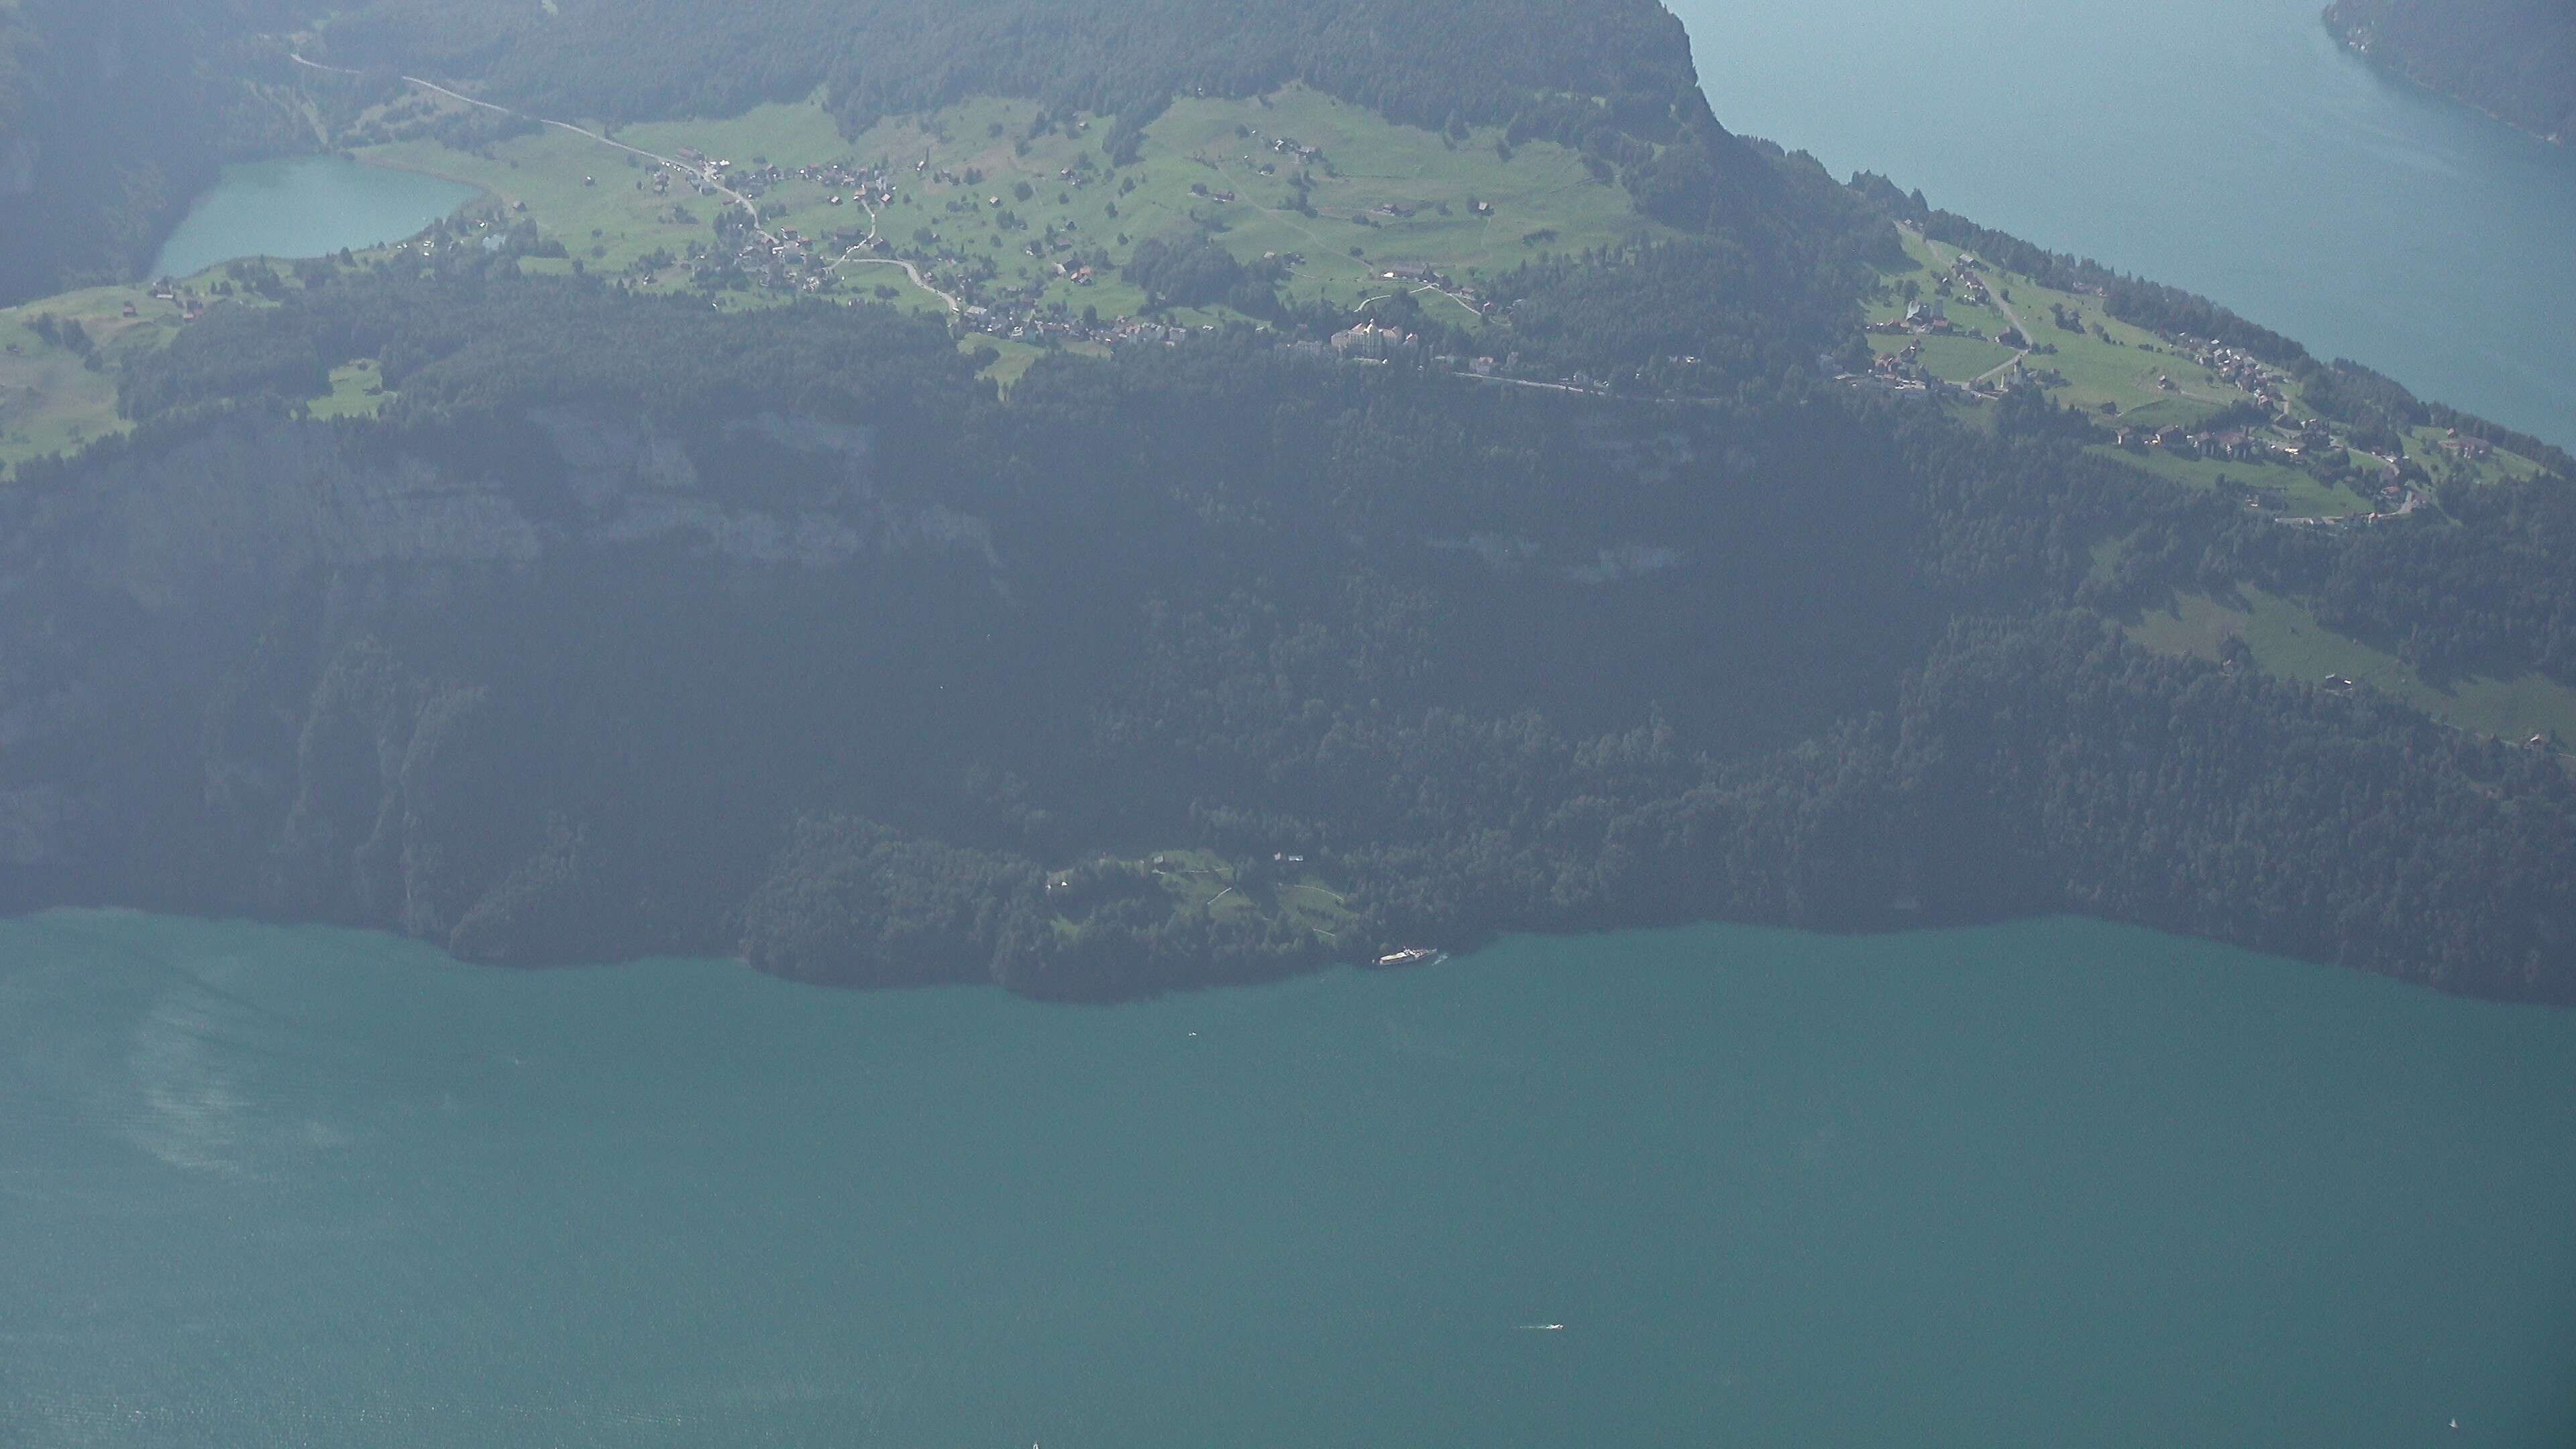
x=632, y=626
x=2514, y=59
x=1417, y=61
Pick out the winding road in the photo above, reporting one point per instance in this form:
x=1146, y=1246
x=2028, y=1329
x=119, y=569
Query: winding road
x=2012, y=320
x=736, y=197
x=909, y=270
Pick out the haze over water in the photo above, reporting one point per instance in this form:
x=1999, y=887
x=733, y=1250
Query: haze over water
x=304, y=206
x=2057, y=1183
x=2227, y=146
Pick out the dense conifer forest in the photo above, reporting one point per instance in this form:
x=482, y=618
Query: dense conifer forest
x=634, y=626
x=631, y=624
x=1420, y=63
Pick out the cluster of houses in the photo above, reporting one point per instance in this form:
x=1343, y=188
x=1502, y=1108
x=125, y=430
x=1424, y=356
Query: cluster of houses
x=1902, y=368
x=2458, y=445
x=1374, y=342
x=1417, y=272
x=788, y=260
x=867, y=186
x=1291, y=146
x=1922, y=319
x=1967, y=275
x=2233, y=445
x=864, y=185
x=190, y=305
x=2241, y=370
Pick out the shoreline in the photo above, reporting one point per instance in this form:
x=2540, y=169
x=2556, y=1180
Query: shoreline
x=1462, y=945
x=155, y=272
x=2389, y=69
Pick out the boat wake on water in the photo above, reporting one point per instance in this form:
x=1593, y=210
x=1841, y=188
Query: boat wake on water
x=1542, y=1328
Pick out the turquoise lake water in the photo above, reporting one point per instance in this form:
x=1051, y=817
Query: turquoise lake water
x=2228, y=146
x=2053, y=1184
x=304, y=206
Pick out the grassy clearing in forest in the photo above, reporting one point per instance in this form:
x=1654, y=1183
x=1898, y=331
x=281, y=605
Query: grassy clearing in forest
x=51, y=399
x=2287, y=491
x=1202, y=880
x=1012, y=362
x=356, y=392
x=2286, y=640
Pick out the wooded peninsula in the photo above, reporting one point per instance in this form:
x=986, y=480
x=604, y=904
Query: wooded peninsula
x=1152, y=495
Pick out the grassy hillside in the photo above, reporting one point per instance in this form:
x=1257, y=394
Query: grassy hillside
x=2134, y=380
x=2283, y=638
x=1382, y=195
x=1203, y=884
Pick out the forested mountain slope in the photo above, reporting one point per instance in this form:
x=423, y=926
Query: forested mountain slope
x=720, y=605
x=2514, y=59
x=1482, y=60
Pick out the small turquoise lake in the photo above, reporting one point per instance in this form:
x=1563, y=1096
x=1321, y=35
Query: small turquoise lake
x=304, y=206
x=2051, y=1184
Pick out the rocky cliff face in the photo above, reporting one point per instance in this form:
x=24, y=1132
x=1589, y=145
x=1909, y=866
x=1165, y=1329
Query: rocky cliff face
x=291, y=668
x=18, y=166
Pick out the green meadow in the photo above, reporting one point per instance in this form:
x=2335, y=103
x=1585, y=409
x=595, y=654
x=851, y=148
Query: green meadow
x=1380, y=196
x=2299, y=494
x=51, y=399
x=2124, y=366
x=2285, y=639
x=1204, y=881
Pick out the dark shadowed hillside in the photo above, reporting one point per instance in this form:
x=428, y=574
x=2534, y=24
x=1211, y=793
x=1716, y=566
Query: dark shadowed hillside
x=113, y=114
x=2514, y=59
x=632, y=627
x=554, y=608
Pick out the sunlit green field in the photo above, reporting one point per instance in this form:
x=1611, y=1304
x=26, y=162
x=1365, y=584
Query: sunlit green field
x=356, y=392
x=2299, y=493
x=1951, y=359
x=2423, y=445
x=1379, y=197
x=600, y=204
x=2123, y=369
x=1012, y=359
x=2287, y=640
x=51, y=401
x=1202, y=880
